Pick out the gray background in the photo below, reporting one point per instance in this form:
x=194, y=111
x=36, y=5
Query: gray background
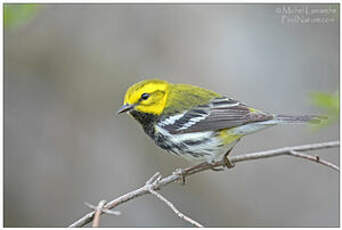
x=66, y=73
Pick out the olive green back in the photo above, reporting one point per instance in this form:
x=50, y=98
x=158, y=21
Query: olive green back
x=182, y=97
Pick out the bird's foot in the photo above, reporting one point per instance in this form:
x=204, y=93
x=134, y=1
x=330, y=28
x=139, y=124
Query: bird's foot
x=181, y=173
x=228, y=163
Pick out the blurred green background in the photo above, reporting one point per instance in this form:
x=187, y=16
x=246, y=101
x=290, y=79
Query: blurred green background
x=67, y=67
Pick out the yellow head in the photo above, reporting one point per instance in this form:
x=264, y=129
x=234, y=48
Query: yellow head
x=148, y=96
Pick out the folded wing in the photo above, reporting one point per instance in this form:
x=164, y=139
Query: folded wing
x=220, y=113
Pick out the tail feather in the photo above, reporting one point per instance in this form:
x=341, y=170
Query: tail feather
x=315, y=119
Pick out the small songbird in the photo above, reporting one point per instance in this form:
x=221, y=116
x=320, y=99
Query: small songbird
x=195, y=123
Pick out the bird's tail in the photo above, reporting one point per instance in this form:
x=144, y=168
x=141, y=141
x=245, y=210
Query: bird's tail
x=290, y=119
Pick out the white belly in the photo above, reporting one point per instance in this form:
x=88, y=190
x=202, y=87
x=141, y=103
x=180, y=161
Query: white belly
x=196, y=146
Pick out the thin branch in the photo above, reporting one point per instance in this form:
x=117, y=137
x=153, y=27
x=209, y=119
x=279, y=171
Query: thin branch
x=314, y=159
x=98, y=211
x=96, y=221
x=154, y=180
x=109, y=212
x=181, y=215
x=204, y=166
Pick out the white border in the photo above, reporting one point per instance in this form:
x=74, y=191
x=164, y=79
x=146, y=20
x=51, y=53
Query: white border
x=134, y=1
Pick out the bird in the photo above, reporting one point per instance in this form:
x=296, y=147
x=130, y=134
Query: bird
x=195, y=123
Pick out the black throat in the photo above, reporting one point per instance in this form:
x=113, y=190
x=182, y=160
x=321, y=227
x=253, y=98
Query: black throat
x=146, y=120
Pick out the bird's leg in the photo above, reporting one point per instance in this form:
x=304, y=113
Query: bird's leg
x=182, y=173
x=216, y=168
x=211, y=164
x=193, y=168
x=226, y=160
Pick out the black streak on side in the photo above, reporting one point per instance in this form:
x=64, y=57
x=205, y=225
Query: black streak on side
x=147, y=121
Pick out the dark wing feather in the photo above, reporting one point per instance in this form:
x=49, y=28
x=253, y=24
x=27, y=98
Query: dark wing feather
x=220, y=113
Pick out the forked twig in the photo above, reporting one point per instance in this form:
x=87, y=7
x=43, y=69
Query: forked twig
x=96, y=221
x=98, y=211
x=181, y=215
x=154, y=180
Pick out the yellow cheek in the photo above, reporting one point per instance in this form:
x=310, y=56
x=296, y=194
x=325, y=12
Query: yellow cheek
x=153, y=109
x=156, y=107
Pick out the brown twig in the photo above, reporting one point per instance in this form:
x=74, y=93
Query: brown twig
x=98, y=211
x=181, y=215
x=314, y=159
x=289, y=151
x=96, y=221
x=155, y=179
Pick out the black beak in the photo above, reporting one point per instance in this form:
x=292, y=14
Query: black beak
x=125, y=108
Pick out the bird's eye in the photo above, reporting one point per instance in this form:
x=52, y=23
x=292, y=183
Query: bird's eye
x=145, y=96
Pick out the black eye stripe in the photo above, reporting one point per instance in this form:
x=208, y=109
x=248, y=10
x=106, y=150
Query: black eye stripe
x=144, y=96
